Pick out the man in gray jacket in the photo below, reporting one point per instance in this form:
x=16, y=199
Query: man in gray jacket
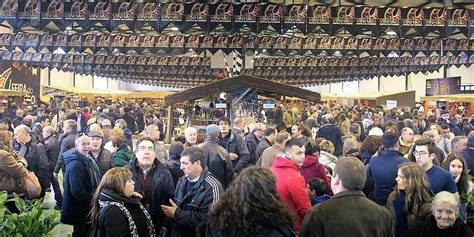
x=217, y=159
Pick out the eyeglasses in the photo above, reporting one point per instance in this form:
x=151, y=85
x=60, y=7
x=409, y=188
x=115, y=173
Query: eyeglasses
x=420, y=153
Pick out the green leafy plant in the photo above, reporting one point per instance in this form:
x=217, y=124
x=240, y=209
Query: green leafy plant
x=32, y=221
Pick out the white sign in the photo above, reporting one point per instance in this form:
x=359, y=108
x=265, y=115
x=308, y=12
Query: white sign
x=221, y=105
x=391, y=104
x=268, y=106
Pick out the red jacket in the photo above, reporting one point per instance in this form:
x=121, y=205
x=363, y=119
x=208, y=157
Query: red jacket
x=312, y=168
x=292, y=188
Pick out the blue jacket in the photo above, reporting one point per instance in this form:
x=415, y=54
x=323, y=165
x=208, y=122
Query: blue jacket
x=79, y=187
x=468, y=155
x=383, y=168
x=333, y=134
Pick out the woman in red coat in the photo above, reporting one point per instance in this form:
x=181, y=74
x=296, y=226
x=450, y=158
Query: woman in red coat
x=311, y=166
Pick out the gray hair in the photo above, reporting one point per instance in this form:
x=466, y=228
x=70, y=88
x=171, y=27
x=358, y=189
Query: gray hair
x=121, y=123
x=23, y=128
x=49, y=129
x=448, y=197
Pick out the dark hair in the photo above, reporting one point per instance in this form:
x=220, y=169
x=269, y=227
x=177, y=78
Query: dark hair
x=462, y=184
x=317, y=185
x=351, y=171
x=269, y=131
x=194, y=154
x=355, y=127
x=251, y=196
x=42, y=118
x=224, y=119
x=444, y=126
x=311, y=147
x=144, y=139
x=426, y=142
x=371, y=144
x=390, y=139
x=294, y=142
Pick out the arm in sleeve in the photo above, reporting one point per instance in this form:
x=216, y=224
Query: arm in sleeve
x=243, y=152
x=299, y=196
x=450, y=185
x=43, y=165
x=76, y=179
x=113, y=223
x=12, y=166
x=311, y=226
x=64, y=147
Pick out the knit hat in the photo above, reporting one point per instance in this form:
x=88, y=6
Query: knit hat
x=212, y=130
x=376, y=131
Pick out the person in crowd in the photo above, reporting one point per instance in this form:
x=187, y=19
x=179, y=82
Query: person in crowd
x=51, y=145
x=465, y=127
x=238, y=127
x=158, y=121
x=458, y=144
x=266, y=142
x=235, y=145
x=34, y=152
x=439, y=153
x=153, y=132
x=37, y=130
x=447, y=136
x=253, y=139
x=468, y=153
x=190, y=136
x=106, y=127
x=87, y=113
x=355, y=131
x=217, y=158
x=289, y=118
x=102, y=156
x=269, y=154
x=12, y=169
x=300, y=132
x=66, y=142
x=140, y=119
x=80, y=120
x=152, y=180
x=251, y=207
x=317, y=190
x=121, y=153
x=116, y=207
x=81, y=178
x=149, y=119
x=326, y=153
x=410, y=202
x=174, y=155
x=439, y=179
x=406, y=140
x=384, y=166
x=121, y=124
x=332, y=133
x=129, y=120
x=369, y=147
x=290, y=183
x=444, y=219
x=350, y=147
x=18, y=118
x=312, y=168
x=196, y=192
x=457, y=166
x=346, y=207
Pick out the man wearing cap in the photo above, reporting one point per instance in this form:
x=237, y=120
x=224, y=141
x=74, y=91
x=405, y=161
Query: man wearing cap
x=106, y=127
x=102, y=156
x=34, y=153
x=217, y=158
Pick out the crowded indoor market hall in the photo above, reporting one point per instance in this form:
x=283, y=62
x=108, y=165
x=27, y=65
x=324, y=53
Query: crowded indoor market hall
x=276, y=118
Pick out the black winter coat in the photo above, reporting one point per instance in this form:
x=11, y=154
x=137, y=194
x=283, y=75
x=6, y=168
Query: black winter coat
x=252, y=142
x=162, y=189
x=113, y=222
x=217, y=161
x=194, y=204
x=264, y=144
x=236, y=144
x=333, y=134
x=66, y=142
x=51, y=144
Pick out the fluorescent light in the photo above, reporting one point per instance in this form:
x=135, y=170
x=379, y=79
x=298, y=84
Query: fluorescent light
x=392, y=33
x=174, y=28
x=68, y=28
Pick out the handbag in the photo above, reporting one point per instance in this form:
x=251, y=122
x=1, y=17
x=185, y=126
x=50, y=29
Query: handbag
x=32, y=185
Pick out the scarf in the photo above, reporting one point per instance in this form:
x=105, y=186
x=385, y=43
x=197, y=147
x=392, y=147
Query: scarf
x=131, y=224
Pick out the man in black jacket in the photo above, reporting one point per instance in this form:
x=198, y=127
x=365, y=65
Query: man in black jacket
x=80, y=120
x=130, y=120
x=34, y=153
x=152, y=180
x=266, y=142
x=216, y=157
x=235, y=145
x=195, y=193
x=253, y=139
x=51, y=144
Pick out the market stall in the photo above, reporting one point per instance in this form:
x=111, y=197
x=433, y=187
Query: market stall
x=462, y=103
x=9, y=96
x=384, y=99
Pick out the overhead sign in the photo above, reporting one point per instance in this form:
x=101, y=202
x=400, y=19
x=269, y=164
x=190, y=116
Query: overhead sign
x=391, y=104
x=19, y=78
x=443, y=86
x=221, y=105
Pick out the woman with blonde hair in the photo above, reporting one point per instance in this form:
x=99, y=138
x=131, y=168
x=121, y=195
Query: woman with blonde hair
x=116, y=208
x=326, y=154
x=410, y=202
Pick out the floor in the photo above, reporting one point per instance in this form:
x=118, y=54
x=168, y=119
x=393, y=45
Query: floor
x=60, y=230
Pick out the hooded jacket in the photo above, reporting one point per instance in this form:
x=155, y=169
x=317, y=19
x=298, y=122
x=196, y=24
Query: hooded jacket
x=292, y=188
x=81, y=178
x=217, y=161
x=333, y=134
x=312, y=168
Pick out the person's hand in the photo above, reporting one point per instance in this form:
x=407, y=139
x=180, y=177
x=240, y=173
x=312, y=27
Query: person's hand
x=169, y=210
x=138, y=195
x=233, y=156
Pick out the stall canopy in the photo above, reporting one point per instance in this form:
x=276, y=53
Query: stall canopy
x=5, y=92
x=229, y=84
x=84, y=91
x=301, y=43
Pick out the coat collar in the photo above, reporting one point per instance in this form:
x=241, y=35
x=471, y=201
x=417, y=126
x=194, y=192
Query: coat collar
x=348, y=193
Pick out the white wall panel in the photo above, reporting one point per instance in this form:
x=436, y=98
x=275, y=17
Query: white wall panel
x=60, y=78
x=83, y=81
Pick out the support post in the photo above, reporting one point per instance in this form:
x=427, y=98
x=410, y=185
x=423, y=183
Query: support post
x=170, y=127
x=378, y=83
x=406, y=81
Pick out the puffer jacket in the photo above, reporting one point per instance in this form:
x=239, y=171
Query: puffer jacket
x=194, y=204
x=217, y=161
x=11, y=172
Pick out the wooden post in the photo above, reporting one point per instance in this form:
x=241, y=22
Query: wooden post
x=170, y=128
